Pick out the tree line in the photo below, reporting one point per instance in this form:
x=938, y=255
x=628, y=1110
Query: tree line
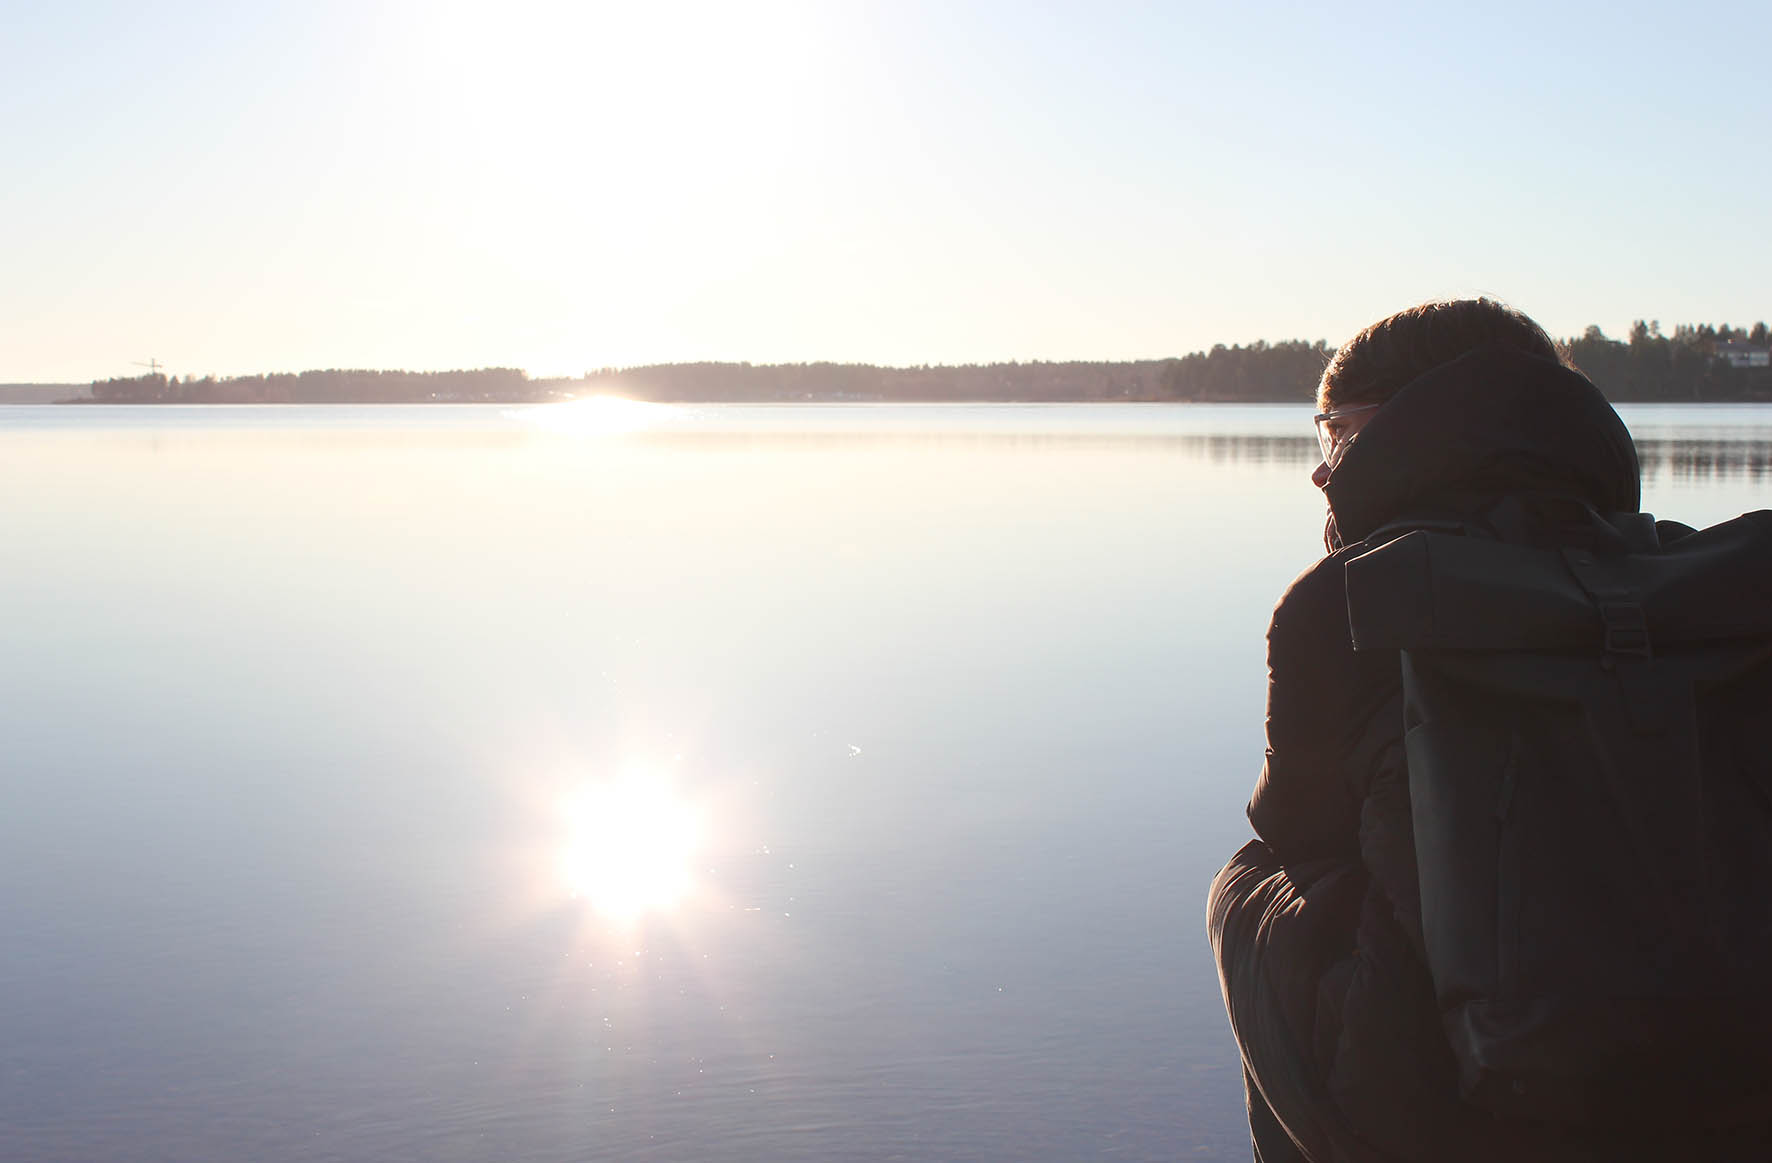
x=1260, y=371
x=1694, y=363
x=1687, y=365
x=331, y=386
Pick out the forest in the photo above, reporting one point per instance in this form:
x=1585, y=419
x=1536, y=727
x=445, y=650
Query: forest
x=1689, y=365
x=1694, y=363
x=321, y=387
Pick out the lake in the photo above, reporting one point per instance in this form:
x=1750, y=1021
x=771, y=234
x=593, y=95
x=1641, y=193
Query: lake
x=612, y=781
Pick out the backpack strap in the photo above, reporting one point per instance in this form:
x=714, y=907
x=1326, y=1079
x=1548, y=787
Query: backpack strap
x=1626, y=650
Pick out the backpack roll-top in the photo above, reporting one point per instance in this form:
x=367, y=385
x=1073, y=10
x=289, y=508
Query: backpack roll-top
x=1588, y=731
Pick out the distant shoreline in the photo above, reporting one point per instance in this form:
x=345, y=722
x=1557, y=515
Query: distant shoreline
x=87, y=401
x=1689, y=366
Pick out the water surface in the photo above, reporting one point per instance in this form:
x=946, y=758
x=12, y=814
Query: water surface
x=967, y=701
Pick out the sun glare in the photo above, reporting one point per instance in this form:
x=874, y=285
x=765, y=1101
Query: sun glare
x=631, y=847
x=599, y=416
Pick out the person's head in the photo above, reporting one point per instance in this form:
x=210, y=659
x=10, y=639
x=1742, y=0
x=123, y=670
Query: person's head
x=1374, y=365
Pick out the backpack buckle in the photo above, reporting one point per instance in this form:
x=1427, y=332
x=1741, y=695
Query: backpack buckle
x=1627, y=630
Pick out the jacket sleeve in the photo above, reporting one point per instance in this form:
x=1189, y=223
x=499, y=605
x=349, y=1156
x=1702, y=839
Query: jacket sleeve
x=1321, y=698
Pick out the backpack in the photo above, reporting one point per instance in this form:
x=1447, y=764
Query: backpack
x=1588, y=718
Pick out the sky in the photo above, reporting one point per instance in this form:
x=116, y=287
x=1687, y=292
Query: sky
x=232, y=188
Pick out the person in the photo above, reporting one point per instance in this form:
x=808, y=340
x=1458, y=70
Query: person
x=1436, y=412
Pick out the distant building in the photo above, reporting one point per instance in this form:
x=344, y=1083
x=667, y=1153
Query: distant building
x=1741, y=354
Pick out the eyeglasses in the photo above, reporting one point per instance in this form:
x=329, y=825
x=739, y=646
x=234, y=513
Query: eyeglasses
x=1334, y=431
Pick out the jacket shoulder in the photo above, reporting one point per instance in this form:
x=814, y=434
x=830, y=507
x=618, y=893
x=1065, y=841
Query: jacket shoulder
x=1317, y=598
x=1320, y=694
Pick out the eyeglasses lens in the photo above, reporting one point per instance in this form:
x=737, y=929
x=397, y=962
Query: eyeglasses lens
x=1332, y=429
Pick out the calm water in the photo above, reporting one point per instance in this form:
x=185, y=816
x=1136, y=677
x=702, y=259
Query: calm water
x=947, y=715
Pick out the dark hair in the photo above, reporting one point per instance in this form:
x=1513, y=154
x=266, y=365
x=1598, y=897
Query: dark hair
x=1374, y=365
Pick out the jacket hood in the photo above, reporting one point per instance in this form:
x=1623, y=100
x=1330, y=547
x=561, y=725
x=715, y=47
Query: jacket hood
x=1492, y=422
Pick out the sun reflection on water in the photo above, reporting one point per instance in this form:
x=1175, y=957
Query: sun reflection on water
x=631, y=846
x=599, y=416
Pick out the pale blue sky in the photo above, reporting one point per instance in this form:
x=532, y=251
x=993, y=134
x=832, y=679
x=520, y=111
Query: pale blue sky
x=253, y=187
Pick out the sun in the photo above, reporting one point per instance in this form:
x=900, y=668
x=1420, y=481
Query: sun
x=631, y=846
